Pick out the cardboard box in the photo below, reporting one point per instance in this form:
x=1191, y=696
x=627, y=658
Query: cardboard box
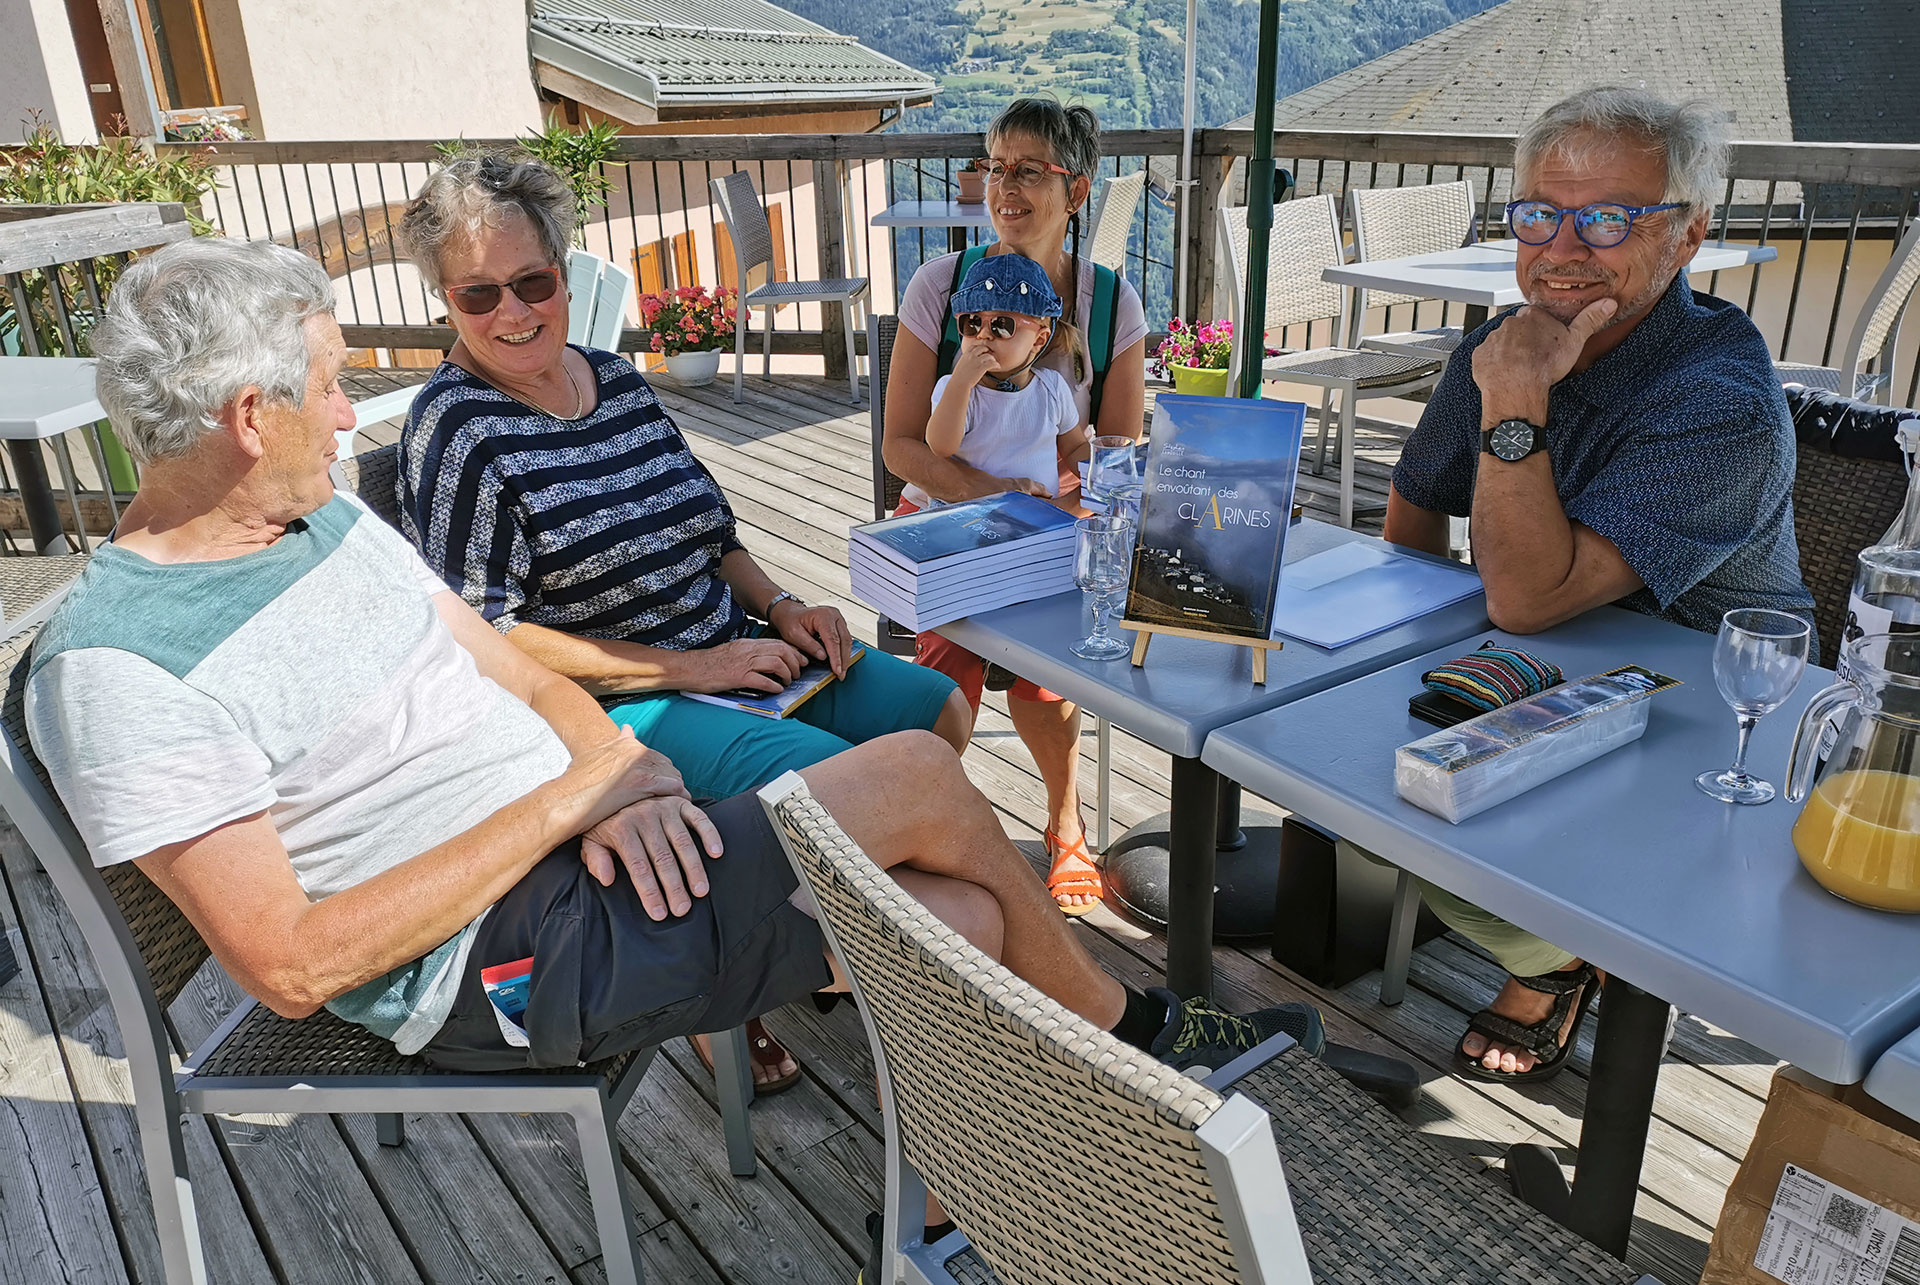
x=1829, y=1193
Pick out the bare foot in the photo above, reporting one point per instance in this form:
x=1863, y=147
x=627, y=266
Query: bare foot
x=763, y=1072
x=1525, y=1006
x=1068, y=844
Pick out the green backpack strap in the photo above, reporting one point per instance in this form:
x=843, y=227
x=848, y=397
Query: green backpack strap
x=950, y=329
x=1106, y=310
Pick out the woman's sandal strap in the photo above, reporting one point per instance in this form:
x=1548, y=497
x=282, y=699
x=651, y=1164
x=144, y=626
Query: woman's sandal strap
x=1563, y=981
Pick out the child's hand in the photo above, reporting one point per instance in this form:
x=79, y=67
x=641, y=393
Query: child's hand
x=1027, y=486
x=973, y=361
x=1075, y=444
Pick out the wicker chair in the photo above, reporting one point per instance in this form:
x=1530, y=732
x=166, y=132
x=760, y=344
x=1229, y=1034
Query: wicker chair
x=1392, y=223
x=1013, y=1108
x=1866, y=364
x=1304, y=242
x=752, y=236
x=374, y=477
x=1112, y=221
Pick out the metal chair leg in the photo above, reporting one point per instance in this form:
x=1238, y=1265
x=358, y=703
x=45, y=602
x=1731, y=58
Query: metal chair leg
x=733, y=1082
x=390, y=1128
x=739, y=349
x=1400, y=928
x=176, y=1219
x=853, y=360
x=600, y=1158
x=766, y=343
x=1320, y=454
x=1346, y=456
x=1103, y=772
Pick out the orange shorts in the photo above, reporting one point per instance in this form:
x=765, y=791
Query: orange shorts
x=962, y=666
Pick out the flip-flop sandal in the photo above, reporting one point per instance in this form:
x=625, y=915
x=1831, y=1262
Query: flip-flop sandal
x=1073, y=875
x=762, y=1050
x=1569, y=987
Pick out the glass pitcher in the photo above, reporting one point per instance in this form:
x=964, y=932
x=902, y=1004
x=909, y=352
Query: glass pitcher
x=1859, y=833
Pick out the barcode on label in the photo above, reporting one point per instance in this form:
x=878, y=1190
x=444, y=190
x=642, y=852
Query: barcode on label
x=1904, y=1267
x=1845, y=1216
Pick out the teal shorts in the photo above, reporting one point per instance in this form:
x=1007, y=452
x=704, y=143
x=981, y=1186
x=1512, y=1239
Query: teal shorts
x=723, y=752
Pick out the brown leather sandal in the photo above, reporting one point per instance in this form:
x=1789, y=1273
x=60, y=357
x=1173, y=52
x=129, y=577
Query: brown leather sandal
x=1073, y=874
x=762, y=1050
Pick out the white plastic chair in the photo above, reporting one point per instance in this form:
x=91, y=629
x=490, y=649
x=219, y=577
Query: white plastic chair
x=596, y=313
x=752, y=237
x=1304, y=241
x=1113, y=219
x=1866, y=364
x=1392, y=223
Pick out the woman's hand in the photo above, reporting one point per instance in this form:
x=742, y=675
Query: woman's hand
x=1026, y=486
x=756, y=664
x=820, y=632
x=662, y=842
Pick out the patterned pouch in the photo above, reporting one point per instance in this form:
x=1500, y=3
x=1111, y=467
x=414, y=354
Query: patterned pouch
x=1493, y=676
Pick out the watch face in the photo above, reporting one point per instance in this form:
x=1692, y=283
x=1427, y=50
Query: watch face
x=1511, y=439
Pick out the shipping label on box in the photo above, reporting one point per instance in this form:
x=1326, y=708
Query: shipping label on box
x=1818, y=1233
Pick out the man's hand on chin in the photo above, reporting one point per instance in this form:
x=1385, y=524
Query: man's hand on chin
x=1518, y=363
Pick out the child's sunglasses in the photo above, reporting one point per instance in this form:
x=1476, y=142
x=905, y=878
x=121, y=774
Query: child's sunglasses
x=535, y=287
x=1001, y=325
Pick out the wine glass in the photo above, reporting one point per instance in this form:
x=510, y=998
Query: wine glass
x=1102, y=549
x=1757, y=662
x=1112, y=466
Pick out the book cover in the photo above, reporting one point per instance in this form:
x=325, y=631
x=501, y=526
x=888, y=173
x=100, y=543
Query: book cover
x=933, y=537
x=1214, y=514
x=1356, y=590
x=779, y=704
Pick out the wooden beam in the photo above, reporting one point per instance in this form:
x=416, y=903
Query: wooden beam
x=89, y=233
x=829, y=203
x=139, y=101
x=805, y=343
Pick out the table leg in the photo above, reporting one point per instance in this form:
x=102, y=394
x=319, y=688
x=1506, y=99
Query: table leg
x=1192, y=831
x=36, y=494
x=1627, y=1048
x=1474, y=318
x=956, y=239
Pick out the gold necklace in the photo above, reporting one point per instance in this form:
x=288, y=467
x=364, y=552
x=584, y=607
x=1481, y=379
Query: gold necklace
x=579, y=399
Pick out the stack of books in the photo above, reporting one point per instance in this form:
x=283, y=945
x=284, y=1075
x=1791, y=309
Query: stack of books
x=941, y=564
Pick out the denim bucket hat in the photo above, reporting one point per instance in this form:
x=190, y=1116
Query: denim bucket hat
x=1006, y=283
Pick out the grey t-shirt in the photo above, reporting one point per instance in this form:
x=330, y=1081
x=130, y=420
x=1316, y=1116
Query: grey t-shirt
x=312, y=680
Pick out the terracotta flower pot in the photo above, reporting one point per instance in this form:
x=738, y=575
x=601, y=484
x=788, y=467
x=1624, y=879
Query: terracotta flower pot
x=973, y=187
x=693, y=369
x=1199, y=382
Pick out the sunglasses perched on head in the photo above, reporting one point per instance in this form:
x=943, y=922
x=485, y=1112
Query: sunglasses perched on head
x=535, y=287
x=1001, y=325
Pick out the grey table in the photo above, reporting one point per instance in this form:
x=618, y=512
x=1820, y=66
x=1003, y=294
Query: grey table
x=1625, y=863
x=1482, y=275
x=957, y=216
x=1186, y=689
x=1895, y=1078
x=40, y=398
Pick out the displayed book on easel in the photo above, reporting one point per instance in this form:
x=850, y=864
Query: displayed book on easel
x=1213, y=521
x=929, y=568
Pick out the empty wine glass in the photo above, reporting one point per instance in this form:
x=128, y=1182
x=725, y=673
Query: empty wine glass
x=1114, y=465
x=1103, y=548
x=1757, y=662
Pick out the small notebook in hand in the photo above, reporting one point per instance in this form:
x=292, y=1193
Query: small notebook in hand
x=779, y=704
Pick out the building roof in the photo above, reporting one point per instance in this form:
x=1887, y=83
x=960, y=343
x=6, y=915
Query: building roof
x=1805, y=70
x=716, y=54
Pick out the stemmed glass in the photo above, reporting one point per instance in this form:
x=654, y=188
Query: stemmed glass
x=1757, y=662
x=1103, y=548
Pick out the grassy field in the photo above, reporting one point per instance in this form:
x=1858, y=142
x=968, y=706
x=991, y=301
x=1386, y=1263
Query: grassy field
x=1007, y=55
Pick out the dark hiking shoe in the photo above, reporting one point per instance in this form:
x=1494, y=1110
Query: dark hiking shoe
x=1199, y=1035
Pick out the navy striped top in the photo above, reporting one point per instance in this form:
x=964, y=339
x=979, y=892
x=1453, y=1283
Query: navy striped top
x=604, y=526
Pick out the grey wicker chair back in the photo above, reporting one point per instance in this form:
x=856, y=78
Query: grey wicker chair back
x=887, y=485
x=746, y=221
x=1112, y=222
x=1304, y=242
x=1841, y=505
x=374, y=476
x=1394, y=222
x=1866, y=363
x=1010, y=1107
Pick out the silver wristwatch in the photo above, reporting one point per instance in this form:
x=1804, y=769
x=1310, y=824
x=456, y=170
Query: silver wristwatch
x=778, y=598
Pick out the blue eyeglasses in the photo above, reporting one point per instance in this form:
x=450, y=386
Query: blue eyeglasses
x=1600, y=225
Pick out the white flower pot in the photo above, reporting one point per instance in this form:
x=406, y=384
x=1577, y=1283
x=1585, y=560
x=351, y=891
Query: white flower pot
x=694, y=368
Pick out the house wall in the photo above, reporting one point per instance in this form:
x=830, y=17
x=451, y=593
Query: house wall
x=40, y=72
x=374, y=69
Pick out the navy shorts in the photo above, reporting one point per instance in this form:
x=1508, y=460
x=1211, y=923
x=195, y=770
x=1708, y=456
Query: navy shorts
x=606, y=978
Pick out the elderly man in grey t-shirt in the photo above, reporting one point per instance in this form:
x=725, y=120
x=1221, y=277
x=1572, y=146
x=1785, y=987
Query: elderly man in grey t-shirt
x=362, y=795
x=1619, y=439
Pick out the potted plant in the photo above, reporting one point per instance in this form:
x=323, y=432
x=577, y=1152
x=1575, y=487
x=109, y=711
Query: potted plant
x=691, y=326
x=1196, y=357
x=973, y=184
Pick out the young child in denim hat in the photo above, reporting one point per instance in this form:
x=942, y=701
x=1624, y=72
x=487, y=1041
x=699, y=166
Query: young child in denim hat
x=999, y=412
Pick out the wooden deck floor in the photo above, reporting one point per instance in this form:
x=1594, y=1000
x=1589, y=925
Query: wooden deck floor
x=480, y=1198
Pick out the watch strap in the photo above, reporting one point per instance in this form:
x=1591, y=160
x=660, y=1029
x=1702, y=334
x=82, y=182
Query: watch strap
x=783, y=596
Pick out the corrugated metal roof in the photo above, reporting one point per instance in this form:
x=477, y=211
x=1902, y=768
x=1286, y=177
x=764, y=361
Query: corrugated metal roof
x=1808, y=70
x=723, y=52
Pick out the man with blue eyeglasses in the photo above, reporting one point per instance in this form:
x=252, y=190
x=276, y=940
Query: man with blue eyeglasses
x=1617, y=439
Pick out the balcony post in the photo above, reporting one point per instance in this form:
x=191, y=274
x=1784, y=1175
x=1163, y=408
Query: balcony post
x=829, y=185
x=1209, y=180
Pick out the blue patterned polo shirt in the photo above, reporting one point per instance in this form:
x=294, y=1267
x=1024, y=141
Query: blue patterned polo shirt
x=1675, y=446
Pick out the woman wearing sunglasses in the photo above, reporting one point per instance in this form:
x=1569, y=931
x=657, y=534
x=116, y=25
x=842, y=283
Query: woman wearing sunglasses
x=545, y=484
x=1040, y=166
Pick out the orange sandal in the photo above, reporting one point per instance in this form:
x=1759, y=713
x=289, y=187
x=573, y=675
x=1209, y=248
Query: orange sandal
x=1073, y=874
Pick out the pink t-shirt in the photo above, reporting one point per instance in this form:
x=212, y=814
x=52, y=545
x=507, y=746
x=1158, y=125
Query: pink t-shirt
x=923, y=310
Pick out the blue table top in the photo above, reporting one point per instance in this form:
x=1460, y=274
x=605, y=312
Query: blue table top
x=1895, y=1078
x=1189, y=686
x=1622, y=861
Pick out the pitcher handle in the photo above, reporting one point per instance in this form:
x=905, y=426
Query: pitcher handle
x=1806, y=737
